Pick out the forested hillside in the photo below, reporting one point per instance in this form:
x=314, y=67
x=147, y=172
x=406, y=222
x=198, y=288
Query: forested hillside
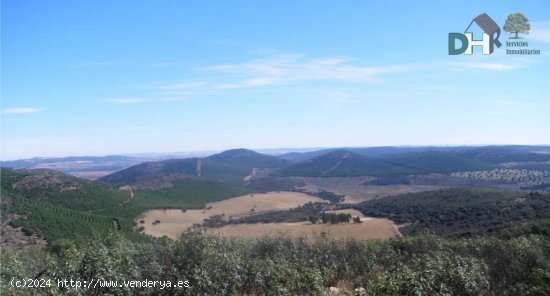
x=56, y=206
x=465, y=212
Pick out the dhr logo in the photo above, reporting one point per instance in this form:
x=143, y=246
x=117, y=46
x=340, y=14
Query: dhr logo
x=491, y=32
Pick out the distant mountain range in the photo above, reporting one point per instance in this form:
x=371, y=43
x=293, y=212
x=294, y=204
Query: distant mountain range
x=234, y=165
x=229, y=166
x=90, y=167
x=381, y=161
x=392, y=150
x=74, y=163
x=344, y=163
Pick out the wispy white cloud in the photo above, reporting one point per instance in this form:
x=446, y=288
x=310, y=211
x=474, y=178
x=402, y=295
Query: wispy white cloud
x=294, y=69
x=109, y=64
x=20, y=110
x=302, y=73
x=492, y=66
x=496, y=66
x=185, y=85
x=126, y=101
x=270, y=70
x=252, y=82
x=169, y=99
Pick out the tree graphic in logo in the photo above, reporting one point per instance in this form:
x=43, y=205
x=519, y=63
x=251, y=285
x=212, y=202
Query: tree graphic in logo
x=517, y=23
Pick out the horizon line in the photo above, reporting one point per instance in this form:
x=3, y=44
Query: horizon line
x=304, y=149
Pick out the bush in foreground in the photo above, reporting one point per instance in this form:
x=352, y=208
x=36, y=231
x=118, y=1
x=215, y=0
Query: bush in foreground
x=423, y=265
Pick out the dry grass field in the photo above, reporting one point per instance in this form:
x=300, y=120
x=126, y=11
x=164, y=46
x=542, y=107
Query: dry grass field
x=91, y=175
x=333, y=184
x=173, y=222
x=260, y=202
x=355, y=191
x=371, y=228
x=352, y=212
x=377, y=191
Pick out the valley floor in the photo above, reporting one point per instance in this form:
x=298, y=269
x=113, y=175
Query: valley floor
x=370, y=228
x=173, y=222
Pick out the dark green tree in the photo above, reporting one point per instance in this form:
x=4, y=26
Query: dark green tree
x=517, y=23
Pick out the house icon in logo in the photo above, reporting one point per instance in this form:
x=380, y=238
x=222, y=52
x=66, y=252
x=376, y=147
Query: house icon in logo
x=491, y=33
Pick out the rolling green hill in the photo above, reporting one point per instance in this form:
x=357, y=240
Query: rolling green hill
x=248, y=159
x=440, y=161
x=156, y=174
x=60, y=189
x=57, y=206
x=465, y=211
x=186, y=193
x=233, y=165
x=386, y=161
x=503, y=154
x=146, y=170
x=183, y=194
x=500, y=153
x=55, y=223
x=230, y=166
x=342, y=163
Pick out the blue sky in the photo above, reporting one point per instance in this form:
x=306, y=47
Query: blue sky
x=118, y=77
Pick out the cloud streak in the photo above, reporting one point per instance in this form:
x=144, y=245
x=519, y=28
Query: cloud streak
x=283, y=70
x=296, y=69
x=126, y=101
x=20, y=110
x=491, y=66
x=263, y=73
x=488, y=66
x=129, y=101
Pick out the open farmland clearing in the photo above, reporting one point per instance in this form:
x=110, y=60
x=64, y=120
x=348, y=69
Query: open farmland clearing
x=378, y=191
x=370, y=228
x=356, y=191
x=173, y=222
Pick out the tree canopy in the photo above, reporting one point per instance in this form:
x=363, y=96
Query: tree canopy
x=517, y=23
